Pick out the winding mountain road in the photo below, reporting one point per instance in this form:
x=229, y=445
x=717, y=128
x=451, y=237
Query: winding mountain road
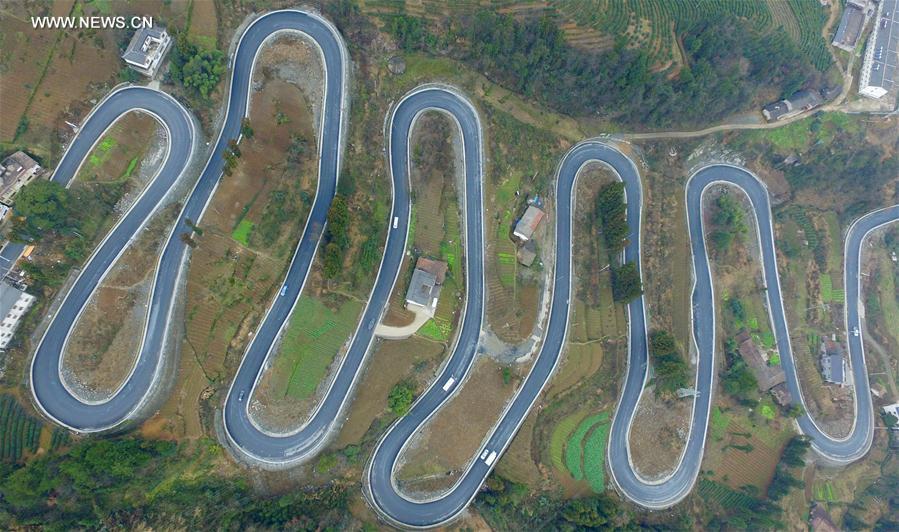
x=657, y=494
x=273, y=450
x=48, y=386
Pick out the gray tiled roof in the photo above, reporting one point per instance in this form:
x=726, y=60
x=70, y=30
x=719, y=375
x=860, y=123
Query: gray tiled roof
x=421, y=287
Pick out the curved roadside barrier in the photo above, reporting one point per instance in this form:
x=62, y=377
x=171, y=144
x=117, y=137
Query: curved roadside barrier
x=670, y=490
x=48, y=386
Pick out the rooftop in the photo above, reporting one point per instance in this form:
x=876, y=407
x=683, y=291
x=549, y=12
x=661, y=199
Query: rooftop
x=145, y=45
x=9, y=295
x=528, y=223
x=850, y=27
x=423, y=290
x=881, y=56
x=436, y=268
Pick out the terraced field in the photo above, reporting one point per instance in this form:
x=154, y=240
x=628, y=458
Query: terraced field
x=653, y=25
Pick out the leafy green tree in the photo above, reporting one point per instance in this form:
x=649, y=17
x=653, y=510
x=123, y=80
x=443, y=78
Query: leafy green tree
x=332, y=261
x=337, y=237
x=739, y=381
x=626, y=284
x=670, y=370
x=401, y=397
x=46, y=206
x=246, y=129
x=196, y=66
x=612, y=212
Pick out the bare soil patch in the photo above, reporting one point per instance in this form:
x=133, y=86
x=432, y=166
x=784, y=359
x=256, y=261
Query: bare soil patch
x=439, y=453
x=659, y=434
x=391, y=362
x=106, y=337
x=230, y=283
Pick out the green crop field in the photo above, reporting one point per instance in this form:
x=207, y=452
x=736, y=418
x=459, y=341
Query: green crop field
x=594, y=456
x=585, y=450
x=723, y=495
x=653, y=24
x=559, y=436
x=314, y=335
x=436, y=329
x=19, y=432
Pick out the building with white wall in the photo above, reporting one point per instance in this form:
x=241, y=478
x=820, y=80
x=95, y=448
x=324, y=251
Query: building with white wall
x=14, y=303
x=880, y=62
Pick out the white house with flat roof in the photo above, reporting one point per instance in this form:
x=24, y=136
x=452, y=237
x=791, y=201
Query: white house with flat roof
x=147, y=48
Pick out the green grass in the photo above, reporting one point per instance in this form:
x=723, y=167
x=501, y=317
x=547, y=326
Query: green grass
x=774, y=360
x=314, y=335
x=767, y=411
x=101, y=150
x=718, y=423
x=826, y=288
x=132, y=164
x=436, y=329
x=824, y=491
x=242, y=232
x=506, y=268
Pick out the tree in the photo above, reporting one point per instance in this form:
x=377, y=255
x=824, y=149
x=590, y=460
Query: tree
x=670, y=370
x=612, y=212
x=729, y=223
x=246, y=129
x=593, y=512
x=46, y=206
x=197, y=67
x=626, y=284
x=890, y=420
x=401, y=397
x=739, y=381
x=332, y=261
x=336, y=236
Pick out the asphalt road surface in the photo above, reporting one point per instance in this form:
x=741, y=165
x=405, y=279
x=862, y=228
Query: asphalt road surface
x=665, y=492
x=278, y=450
x=382, y=491
x=47, y=385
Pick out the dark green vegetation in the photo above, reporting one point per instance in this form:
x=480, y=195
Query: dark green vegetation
x=670, y=371
x=508, y=505
x=69, y=221
x=728, y=223
x=611, y=210
x=130, y=483
x=737, y=379
x=46, y=206
x=793, y=456
x=401, y=398
x=337, y=239
x=196, y=66
x=834, y=155
x=729, y=61
x=626, y=283
x=18, y=430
